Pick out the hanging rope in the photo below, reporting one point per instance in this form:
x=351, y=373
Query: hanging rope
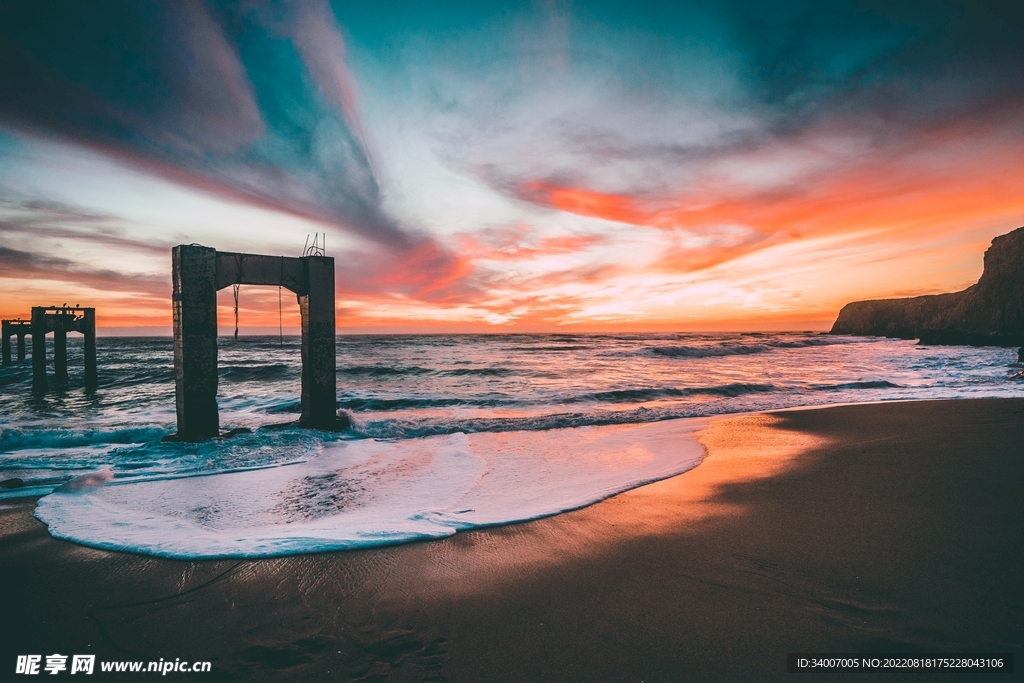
x=236, y=288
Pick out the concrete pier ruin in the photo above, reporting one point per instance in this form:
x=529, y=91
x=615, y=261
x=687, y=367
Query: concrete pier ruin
x=14, y=328
x=60, y=320
x=198, y=272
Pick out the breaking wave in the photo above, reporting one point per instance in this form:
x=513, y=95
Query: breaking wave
x=17, y=438
x=257, y=373
x=368, y=493
x=637, y=395
x=877, y=384
x=715, y=350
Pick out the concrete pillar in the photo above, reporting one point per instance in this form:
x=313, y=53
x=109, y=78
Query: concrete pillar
x=319, y=374
x=89, y=331
x=194, y=270
x=60, y=350
x=38, y=349
x=21, y=348
x=5, y=344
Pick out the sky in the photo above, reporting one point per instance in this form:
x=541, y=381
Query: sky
x=510, y=167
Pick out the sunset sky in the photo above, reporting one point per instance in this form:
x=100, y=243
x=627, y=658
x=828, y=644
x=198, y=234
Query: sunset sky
x=490, y=167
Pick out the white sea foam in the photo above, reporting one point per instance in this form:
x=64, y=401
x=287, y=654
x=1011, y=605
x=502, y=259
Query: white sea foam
x=364, y=493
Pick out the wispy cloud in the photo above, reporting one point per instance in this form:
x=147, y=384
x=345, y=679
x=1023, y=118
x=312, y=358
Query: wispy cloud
x=26, y=264
x=46, y=220
x=610, y=162
x=268, y=114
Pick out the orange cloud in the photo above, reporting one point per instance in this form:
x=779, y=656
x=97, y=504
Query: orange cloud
x=950, y=186
x=787, y=251
x=520, y=243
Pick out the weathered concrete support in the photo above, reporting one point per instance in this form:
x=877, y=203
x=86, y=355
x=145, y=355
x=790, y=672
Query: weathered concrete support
x=60, y=352
x=18, y=328
x=60, y=320
x=319, y=371
x=194, y=275
x=89, y=331
x=5, y=344
x=198, y=272
x=38, y=349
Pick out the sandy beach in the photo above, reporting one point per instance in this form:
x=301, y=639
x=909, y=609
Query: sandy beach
x=883, y=528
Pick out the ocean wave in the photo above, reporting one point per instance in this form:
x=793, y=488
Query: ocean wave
x=876, y=384
x=355, y=495
x=17, y=438
x=254, y=373
x=116, y=379
x=398, y=371
x=740, y=349
x=636, y=395
x=551, y=348
x=382, y=370
x=822, y=340
x=16, y=374
x=384, y=404
x=479, y=372
x=286, y=407
x=413, y=428
x=748, y=396
x=709, y=351
x=645, y=337
x=359, y=403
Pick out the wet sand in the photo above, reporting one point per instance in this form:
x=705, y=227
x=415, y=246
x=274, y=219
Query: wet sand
x=888, y=527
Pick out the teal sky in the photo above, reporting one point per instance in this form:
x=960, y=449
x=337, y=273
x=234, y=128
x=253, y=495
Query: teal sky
x=513, y=165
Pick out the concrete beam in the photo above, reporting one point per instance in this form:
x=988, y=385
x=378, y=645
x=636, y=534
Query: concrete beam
x=256, y=269
x=5, y=344
x=194, y=278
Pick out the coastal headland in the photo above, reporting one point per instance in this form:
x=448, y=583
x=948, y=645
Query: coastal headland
x=873, y=528
x=988, y=313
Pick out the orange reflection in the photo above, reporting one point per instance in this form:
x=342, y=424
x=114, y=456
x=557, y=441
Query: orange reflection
x=739, y=450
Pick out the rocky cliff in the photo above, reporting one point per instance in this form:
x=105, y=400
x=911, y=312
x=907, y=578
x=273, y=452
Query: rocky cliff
x=989, y=313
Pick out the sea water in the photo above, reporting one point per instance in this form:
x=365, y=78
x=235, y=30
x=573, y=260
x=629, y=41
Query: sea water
x=448, y=432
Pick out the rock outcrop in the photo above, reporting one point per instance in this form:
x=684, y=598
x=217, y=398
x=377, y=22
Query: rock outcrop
x=989, y=313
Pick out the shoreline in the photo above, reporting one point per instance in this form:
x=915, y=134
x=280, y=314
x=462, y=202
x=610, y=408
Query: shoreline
x=35, y=495
x=795, y=534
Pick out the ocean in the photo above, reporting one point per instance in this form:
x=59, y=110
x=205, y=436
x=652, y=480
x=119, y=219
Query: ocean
x=449, y=432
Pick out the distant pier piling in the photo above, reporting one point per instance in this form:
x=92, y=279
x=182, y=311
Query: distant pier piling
x=197, y=273
x=60, y=320
x=14, y=328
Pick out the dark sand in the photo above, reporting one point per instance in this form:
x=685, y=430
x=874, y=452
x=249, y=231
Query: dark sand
x=889, y=527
